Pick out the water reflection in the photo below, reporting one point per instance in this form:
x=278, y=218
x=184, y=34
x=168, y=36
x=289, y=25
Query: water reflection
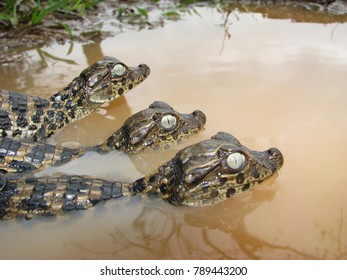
x=117, y=18
x=219, y=232
x=93, y=51
x=335, y=237
x=296, y=12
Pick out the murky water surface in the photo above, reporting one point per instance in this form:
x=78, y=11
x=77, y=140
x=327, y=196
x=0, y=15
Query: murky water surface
x=269, y=82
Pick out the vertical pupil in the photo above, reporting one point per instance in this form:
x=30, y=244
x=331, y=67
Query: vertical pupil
x=168, y=121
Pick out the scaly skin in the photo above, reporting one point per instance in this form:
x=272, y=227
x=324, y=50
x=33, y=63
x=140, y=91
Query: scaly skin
x=24, y=116
x=49, y=196
x=141, y=132
x=201, y=174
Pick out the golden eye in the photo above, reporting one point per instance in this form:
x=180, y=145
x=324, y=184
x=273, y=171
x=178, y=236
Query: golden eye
x=118, y=70
x=236, y=160
x=168, y=122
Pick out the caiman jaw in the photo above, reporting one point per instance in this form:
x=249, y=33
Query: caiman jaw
x=210, y=171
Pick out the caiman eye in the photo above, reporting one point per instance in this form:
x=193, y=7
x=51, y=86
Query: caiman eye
x=236, y=161
x=118, y=70
x=168, y=122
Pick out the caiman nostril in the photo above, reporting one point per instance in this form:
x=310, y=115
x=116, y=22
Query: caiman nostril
x=145, y=68
x=276, y=156
x=200, y=116
x=273, y=152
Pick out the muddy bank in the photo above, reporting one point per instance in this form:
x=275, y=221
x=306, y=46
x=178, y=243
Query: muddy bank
x=113, y=17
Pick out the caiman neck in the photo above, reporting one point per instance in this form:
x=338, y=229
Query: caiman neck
x=163, y=181
x=73, y=103
x=65, y=107
x=118, y=141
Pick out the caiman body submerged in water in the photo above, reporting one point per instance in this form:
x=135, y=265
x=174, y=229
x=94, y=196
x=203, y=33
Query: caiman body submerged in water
x=155, y=128
x=201, y=174
x=204, y=173
x=36, y=118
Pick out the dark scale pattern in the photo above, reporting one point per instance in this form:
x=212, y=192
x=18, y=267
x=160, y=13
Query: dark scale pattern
x=254, y=172
x=50, y=149
x=37, y=154
x=69, y=105
x=116, y=140
x=60, y=117
x=31, y=180
x=14, y=146
x=50, y=114
x=246, y=187
x=18, y=102
x=240, y=178
x=5, y=145
x=163, y=188
x=230, y=192
x=71, y=114
x=32, y=202
x=52, y=126
x=36, y=118
x=5, y=121
x=57, y=105
x=21, y=166
x=40, y=103
x=80, y=102
x=139, y=186
x=116, y=190
x=66, y=192
x=21, y=115
x=175, y=199
x=16, y=132
x=22, y=121
x=32, y=127
x=67, y=155
x=40, y=134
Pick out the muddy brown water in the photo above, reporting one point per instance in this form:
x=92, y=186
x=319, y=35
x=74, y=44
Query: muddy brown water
x=272, y=83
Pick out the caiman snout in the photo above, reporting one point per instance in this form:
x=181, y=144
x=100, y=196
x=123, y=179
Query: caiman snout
x=276, y=157
x=145, y=69
x=200, y=116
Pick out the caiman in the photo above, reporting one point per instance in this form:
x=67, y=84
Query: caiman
x=201, y=174
x=36, y=118
x=155, y=128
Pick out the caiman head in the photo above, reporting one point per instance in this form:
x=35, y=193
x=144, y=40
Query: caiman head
x=102, y=82
x=210, y=171
x=155, y=128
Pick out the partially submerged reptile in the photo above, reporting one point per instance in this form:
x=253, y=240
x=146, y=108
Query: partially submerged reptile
x=23, y=116
x=204, y=173
x=157, y=127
